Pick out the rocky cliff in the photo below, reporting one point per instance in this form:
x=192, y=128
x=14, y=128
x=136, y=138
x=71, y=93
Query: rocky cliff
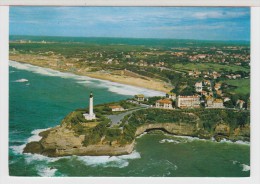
x=62, y=141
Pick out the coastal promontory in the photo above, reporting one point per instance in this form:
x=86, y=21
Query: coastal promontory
x=114, y=132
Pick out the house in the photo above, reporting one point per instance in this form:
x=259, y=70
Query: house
x=164, y=103
x=206, y=82
x=226, y=99
x=171, y=95
x=188, y=101
x=240, y=104
x=139, y=97
x=116, y=108
x=217, y=86
x=219, y=92
x=214, y=103
x=205, y=93
x=198, y=86
x=218, y=103
x=190, y=73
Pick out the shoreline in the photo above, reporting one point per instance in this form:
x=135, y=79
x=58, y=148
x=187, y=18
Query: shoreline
x=145, y=82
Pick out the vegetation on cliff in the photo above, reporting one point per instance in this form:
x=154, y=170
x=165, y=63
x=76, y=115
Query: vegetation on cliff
x=206, y=120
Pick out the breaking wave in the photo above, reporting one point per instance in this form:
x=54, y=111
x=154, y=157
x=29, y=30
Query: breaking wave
x=35, y=137
x=244, y=167
x=46, y=171
x=114, y=87
x=169, y=141
x=109, y=161
x=21, y=80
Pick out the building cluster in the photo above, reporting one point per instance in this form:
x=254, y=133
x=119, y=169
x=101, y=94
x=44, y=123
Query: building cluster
x=204, y=74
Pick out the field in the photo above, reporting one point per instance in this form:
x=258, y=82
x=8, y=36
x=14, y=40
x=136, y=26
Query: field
x=242, y=86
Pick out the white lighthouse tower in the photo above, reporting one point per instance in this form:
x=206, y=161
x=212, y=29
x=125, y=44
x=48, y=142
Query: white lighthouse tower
x=90, y=115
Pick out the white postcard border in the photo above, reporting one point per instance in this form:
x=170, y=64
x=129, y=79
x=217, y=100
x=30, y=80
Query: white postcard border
x=131, y=2
x=255, y=123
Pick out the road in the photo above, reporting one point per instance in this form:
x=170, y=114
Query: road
x=115, y=119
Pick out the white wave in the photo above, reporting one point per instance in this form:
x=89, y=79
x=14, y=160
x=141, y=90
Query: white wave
x=242, y=142
x=234, y=162
x=18, y=149
x=189, y=138
x=107, y=161
x=114, y=87
x=29, y=158
x=236, y=142
x=169, y=141
x=245, y=167
x=21, y=80
x=35, y=135
x=141, y=135
x=46, y=171
x=133, y=155
x=128, y=89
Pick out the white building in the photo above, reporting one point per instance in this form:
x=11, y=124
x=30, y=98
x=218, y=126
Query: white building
x=164, y=103
x=171, y=95
x=116, y=108
x=139, y=97
x=214, y=103
x=188, y=101
x=90, y=115
x=198, y=86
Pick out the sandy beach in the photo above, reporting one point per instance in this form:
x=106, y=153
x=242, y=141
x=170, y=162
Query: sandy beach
x=69, y=66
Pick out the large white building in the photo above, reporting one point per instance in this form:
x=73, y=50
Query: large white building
x=90, y=115
x=188, y=101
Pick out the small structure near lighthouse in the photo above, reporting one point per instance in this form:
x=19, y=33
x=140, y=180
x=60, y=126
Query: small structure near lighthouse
x=90, y=115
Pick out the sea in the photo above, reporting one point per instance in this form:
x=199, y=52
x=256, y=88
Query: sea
x=39, y=98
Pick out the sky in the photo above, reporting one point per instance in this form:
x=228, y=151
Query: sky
x=203, y=23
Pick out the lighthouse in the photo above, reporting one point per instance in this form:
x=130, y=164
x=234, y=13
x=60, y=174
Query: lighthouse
x=90, y=115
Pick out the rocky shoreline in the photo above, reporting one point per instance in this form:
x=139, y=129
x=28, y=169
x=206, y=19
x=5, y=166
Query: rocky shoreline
x=62, y=141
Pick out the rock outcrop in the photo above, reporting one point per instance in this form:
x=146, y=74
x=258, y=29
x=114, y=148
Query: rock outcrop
x=63, y=141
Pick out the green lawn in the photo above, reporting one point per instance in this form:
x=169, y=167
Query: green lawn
x=243, y=85
x=207, y=66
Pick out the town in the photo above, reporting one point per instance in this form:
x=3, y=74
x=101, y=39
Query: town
x=193, y=74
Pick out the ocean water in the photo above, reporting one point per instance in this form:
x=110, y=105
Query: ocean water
x=40, y=98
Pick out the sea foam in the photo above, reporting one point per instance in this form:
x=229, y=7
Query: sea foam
x=35, y=137
x=114, y=87
x=21, y=80
x=169, y=141
x=109, y=161
x=245, y=167
x=46, y=171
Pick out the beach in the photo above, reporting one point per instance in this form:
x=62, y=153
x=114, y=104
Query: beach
x=52, y=61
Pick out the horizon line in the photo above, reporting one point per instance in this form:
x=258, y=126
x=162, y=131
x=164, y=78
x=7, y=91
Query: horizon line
x=133, y=38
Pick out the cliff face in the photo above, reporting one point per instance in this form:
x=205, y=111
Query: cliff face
x=172, y=128
x=62, y=141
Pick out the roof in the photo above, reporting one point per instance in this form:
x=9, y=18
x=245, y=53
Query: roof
x=170, y=93
x=193, y=96
x=240, y=101
x=209, y=98
x=115, y=106
x=198, y=83
x=218, y=101
x=140, y=96
x=164, y=101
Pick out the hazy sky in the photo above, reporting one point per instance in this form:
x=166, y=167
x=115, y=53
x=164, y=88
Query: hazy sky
x=142, y=22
